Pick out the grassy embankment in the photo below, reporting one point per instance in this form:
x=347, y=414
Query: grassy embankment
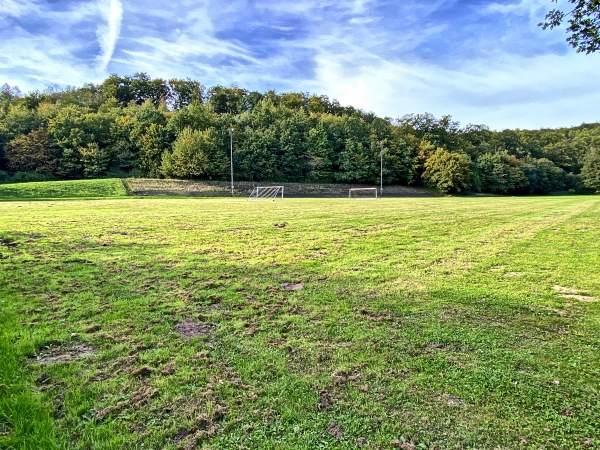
x=403, y=323
x=62, y=190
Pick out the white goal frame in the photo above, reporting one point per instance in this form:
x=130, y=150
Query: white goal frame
x=266, y=193
x=350, y=191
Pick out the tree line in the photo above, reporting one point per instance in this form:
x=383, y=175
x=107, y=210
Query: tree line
x=144, y=127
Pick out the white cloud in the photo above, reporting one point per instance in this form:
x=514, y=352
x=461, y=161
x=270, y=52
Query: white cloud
x=108, y=33
x=16, y=8
x=507, y=93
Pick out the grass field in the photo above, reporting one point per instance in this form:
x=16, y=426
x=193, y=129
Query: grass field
x=427, y=323
x=63, y=189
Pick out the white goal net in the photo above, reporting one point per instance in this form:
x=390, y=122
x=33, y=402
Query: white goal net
x=266, y=193
x=362, y=193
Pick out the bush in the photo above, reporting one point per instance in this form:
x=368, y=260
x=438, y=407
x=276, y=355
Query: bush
x=26, y=177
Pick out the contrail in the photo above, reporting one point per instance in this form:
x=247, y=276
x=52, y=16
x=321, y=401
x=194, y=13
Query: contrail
x=108, y=34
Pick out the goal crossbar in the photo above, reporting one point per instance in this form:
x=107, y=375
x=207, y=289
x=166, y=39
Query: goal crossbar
x=362, y=193
x=266, y=193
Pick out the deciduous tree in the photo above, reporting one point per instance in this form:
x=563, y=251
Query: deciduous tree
x=583, y=24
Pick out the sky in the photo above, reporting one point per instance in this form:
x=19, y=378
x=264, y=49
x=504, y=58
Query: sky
x=482, y=62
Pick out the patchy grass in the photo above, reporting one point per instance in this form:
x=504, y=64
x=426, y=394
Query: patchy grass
x=403, y=323
x=63, y=189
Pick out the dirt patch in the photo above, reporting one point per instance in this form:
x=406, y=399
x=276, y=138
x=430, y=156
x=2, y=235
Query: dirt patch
x=142, y=372
x=335, y=431
x=342, y=377
x=53, y=355
x=189, y=329
x=7, y=242
x=139, y=398
x=403, y=445
x=564, y=290
x=581, y=298
x=453, y=401
x=292, y=286
x=513, y=274
x=325, y=401
x=567, y=292
x=375, y=316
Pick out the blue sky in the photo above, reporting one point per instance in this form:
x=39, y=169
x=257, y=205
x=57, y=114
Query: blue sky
x=483, y=62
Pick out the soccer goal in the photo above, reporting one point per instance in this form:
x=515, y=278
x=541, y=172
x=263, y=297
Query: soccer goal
x=266, y=193
x=363, y=193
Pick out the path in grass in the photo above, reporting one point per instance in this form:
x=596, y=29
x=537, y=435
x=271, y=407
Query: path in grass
x=405, y=323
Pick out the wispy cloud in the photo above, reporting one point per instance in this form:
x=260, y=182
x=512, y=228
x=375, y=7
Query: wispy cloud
x=16, y=8
x=481, y=63
x=108, y=33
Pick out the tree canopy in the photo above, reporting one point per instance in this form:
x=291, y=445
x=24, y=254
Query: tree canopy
x=583, y=24
x=139, y=126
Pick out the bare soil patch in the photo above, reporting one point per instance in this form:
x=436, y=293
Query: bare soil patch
x=189, y=329
x=325, y=400
x=582, y=298
x=55, y=355
x=567, y=292
x=7, y=242
x=335, y=431
x=292, y=286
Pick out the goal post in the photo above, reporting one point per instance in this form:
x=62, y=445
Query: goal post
x=266, y=193
x=362, y=193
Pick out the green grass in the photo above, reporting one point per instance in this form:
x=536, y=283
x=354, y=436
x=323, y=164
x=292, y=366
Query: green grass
x=427, y=323
x=63, y=189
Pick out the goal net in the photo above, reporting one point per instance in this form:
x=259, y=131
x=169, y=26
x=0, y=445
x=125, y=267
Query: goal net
x=266, y=193
x=362, y=193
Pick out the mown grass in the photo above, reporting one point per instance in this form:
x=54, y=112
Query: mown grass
x=415, y=323
x=63, y=189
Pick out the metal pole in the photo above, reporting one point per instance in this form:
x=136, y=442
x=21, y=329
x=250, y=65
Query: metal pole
x=231, y=156
x=381, y=171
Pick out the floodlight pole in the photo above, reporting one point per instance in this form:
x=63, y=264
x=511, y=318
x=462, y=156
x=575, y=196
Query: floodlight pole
x=231, y=156
x=381, y=170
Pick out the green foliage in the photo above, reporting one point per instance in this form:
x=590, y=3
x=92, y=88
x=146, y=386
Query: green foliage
x=584, y=24
x=447, y=172
x=154, y=143
x=320, y=155
x=95, y=160
x=590, y=173
x=189, y=158
x=127, y=126
x=544, y=177
x=33, y=152
x=499, y=173
x=197, y=116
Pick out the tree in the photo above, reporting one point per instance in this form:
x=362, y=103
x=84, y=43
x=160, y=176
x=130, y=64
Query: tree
x=154, y=143
x=584, y=24
x=33, y=152
x=95, y=160
x=447, y=171
x=590, y=173
x=499, y=173
x=184, y=92
x=544, y=177
x=190, y=156
x=320, y=154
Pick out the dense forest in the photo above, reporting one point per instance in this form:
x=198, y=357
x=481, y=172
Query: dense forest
x=144, y=127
